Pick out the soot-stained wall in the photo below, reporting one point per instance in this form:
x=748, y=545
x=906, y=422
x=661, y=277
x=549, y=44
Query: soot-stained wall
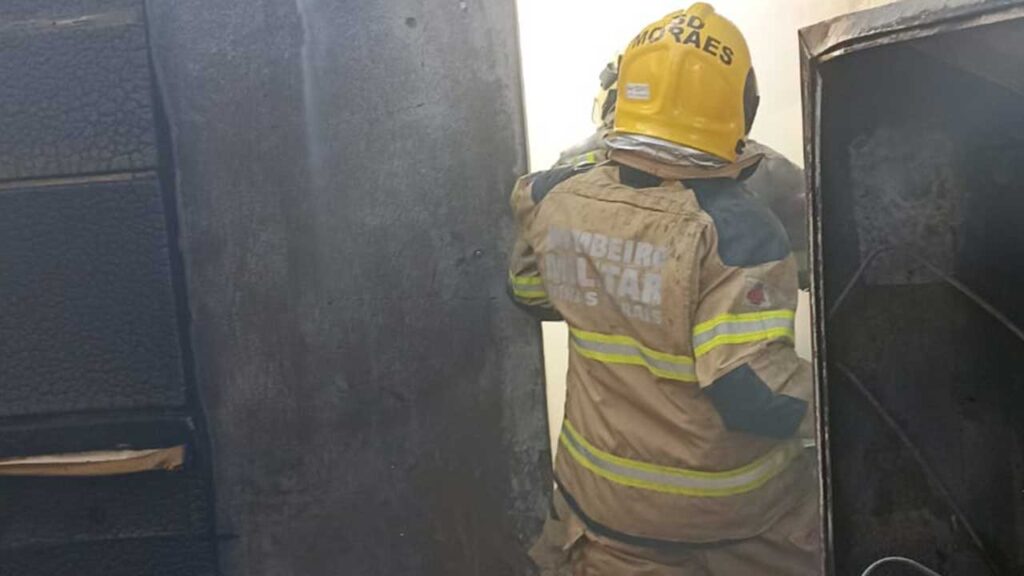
x=376, y=404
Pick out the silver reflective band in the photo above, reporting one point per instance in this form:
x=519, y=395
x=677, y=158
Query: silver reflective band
x=614, y=349
x=680, y=481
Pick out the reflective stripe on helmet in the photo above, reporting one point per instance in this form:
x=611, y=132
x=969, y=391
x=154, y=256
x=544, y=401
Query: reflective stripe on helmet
x=680, y=481
x=614, y=349
x=742, y=329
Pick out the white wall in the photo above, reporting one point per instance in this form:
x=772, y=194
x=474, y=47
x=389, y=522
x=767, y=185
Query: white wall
x=566, y=43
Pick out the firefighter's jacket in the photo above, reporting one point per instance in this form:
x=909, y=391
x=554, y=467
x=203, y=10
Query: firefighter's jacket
x=686, y=399
x=776, y=182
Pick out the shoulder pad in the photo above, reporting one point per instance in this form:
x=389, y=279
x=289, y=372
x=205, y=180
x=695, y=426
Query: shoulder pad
x=545, y=182
x=748, y=233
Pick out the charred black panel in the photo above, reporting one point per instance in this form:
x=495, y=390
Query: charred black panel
x=132, y=557
x=921, y=160
x=93, y=348
x=47, y=511
x=88, y=312
x=138, y=430
x=76, y=93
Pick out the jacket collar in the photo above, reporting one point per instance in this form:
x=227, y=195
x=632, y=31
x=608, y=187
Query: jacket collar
x=738, y=170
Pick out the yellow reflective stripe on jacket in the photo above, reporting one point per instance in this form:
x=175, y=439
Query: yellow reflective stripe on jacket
x=742, y=329
x=528, y=287
x=680, y=481
x=614, y=349
x=588, y=159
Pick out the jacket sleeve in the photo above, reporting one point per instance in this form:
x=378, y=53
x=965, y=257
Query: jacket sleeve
x=743, y=335
x=525, y=285
x=780, y=184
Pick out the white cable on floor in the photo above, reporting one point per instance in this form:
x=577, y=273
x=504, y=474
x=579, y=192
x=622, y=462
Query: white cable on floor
x=901, y=560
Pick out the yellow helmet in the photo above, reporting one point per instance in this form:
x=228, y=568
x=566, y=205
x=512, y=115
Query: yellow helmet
x=688, y=79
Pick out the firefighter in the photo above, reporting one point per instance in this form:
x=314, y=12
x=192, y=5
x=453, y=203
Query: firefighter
x=686, y=404
x=777, y=181
x=592, y=150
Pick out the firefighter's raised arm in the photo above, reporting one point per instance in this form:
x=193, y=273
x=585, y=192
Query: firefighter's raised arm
x=743, y=335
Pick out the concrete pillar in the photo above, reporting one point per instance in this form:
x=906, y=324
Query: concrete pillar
x=376, y=405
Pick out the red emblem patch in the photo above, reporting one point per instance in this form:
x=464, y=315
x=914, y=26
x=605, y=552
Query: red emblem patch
x=756, y=295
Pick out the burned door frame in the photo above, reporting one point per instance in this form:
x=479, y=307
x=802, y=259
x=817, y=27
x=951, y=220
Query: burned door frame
x=819, y=44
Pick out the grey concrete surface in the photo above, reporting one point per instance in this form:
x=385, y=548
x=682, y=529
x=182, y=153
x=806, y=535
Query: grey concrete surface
x=376, y=405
